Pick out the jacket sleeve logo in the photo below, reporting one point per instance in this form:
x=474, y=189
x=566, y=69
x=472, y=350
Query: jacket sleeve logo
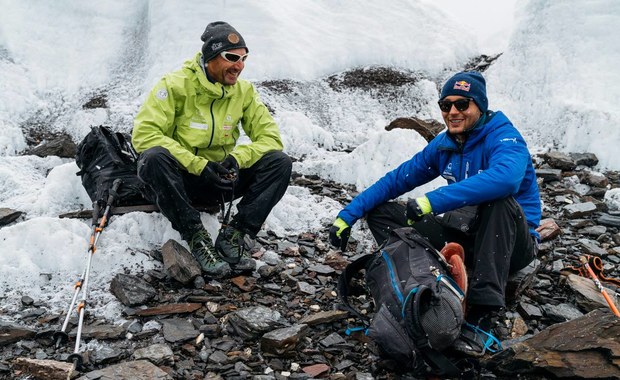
x=161, y=94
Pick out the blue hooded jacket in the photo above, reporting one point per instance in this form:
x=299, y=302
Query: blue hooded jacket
x=493, y=163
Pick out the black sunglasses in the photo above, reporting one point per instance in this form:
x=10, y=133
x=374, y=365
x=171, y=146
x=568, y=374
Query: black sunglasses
x=461, y=104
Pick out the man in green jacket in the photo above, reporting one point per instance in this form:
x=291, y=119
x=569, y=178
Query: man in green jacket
x=187, y=133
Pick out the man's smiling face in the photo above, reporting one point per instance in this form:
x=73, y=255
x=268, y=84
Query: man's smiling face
x=458, y=122
x=225, y=72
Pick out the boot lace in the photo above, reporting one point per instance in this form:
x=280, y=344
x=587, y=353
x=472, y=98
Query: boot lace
x=202, y=246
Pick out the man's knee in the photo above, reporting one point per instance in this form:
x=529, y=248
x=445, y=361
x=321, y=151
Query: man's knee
x=283, y=161
x=387, y=210
x=279, y=162
x=506, y=205
x=153, y=159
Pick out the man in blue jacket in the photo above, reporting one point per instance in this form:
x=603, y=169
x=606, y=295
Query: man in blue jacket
x=491, y=205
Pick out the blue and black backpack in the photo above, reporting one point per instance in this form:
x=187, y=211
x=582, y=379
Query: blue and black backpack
x=418, y=307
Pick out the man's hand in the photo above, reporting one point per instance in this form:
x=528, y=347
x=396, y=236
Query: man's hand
x=417, y=208
x=216, y=174
x=339, y=234
x=231, y=164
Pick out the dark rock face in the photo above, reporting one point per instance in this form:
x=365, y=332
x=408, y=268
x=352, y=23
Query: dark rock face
x=61, y=145
x=428, y=129
x=8, y=216
x=51, y=144
x=582, y=348
x=371, y=78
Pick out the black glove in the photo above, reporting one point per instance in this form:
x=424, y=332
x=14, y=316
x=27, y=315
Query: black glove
x=217, y=174
x=414, y=211
x=339, y=234
x=231, y=164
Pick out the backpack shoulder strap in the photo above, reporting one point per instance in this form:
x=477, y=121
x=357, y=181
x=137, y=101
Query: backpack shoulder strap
x=345, y=279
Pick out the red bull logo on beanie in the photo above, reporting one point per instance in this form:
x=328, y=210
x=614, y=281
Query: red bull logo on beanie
x=461, y=85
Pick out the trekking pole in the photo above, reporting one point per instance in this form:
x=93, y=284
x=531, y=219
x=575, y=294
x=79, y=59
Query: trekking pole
x=61, y=336
x=610, y=302
x=76, y=358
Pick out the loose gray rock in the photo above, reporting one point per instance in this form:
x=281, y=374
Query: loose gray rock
x=44, y=369
x=281, y=341
x=11, y=333
x=579, y=210
x=178, y=330
x=61, y=146
x=135, y=370
x=8, y=216
x=179, y=262
x=100, y=332
x=549, y=175
x=131, y=290
x=250, y=323
x=560, y=160
x=156, y=353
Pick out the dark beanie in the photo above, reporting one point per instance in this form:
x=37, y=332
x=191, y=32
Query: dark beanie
x=219, y=36
x=469, y=84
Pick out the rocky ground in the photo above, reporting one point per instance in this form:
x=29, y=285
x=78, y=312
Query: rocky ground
x=282, y=321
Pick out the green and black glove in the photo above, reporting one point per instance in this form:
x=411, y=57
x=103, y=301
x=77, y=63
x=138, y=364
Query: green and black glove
x=339, y=234
x=417, y=208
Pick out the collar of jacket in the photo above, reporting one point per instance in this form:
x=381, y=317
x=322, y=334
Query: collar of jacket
x=204, y=86
x=475, y=132
x=473, y=135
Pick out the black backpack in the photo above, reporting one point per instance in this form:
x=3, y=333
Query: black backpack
x=103, y=156
x=418, y=309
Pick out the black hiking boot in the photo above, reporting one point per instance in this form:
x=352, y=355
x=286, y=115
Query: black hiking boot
x=477, y=336
x=234, y=247
x=210, y=261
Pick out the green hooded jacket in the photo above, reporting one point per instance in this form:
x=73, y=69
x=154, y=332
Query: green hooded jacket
x=198, y=121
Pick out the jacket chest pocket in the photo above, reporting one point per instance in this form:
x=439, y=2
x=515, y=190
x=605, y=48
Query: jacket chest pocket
x=226, y=121
x=229, y=129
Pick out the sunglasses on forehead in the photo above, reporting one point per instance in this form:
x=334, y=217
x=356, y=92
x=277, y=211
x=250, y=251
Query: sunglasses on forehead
x=232, y=57
x=461, y=104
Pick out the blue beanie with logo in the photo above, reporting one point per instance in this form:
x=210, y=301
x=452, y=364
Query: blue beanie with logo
x=469, y=84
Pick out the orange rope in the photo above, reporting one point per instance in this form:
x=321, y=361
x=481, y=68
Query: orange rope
x=610, y=302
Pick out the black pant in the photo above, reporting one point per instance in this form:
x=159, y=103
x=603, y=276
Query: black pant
x=497, y=246
x=174, y=190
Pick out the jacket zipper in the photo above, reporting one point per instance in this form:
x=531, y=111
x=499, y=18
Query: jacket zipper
x=213, y=118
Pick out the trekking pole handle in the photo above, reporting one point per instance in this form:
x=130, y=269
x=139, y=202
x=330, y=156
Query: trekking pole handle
x=114, y=191
x=95, y=219
x=610, y=302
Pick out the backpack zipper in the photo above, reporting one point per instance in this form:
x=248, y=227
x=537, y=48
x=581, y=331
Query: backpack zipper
x=450, y=285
